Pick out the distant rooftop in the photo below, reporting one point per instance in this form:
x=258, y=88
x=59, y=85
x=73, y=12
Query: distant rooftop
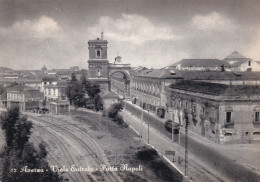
x=236, y=59
x=200, y=63
x=138, y=69
x=48, y=79
x=60, y=84
x=20, y=80
x=20, y=88
x=235, y=55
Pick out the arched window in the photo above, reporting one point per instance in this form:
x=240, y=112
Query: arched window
x=98, y=54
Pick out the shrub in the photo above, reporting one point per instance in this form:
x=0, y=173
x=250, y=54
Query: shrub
x=147, y=154
x=164, y=172
x=114, y=109
x=120, y=121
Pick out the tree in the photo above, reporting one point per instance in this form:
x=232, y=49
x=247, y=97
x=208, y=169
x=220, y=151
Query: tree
x=74, y=77
x=8, y=121
x=76, y=93
x=71, y=88
x=19, y=153
x=2, y=89
x=93, y=90
x=12, y=84
x=79, y=96
x=84, y=83
x=114, y=109
x=98, y=103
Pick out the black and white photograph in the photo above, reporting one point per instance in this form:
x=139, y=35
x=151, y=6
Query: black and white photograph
x=129, y=90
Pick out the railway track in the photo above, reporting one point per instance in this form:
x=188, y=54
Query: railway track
x=65, y=151
x=54, y=159
x=96, y=154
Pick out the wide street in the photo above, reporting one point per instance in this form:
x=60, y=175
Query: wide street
x=197, y=171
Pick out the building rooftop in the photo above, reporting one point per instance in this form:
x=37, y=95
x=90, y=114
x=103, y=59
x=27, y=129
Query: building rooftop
x=49, y=79
x=97, y=40
x=59, y=84
x=235, y=55
x=19, y=80
x=20, y=88
x=159, y=73
x=217, y=89
x=236, y=59
x=109, y=95
x=200, y=63
x=63, y=71
x=217, y=75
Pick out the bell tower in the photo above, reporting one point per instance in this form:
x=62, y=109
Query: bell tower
x=98, y=63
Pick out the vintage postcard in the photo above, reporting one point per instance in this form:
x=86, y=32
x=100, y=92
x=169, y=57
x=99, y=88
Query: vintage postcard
x=129, y=90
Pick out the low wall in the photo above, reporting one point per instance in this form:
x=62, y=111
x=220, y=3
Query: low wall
x=233, y=170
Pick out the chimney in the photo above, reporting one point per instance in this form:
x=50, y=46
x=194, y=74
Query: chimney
x=102, y=35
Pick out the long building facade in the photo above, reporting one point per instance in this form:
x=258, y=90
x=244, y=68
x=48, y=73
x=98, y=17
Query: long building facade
x=222, y=106
x=221, y=113
x=147, y=89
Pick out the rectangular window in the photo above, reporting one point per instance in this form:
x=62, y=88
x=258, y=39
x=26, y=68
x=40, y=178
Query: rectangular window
x=257, y=117
x=203, y=111
x=194, y=108
x=228, y=117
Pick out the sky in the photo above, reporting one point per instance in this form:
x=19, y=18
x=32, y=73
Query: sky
x=150, y=33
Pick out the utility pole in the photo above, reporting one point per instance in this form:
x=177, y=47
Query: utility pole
x=172, y=133
x=148, y=133
x=179, y=135
x=52, y=114
x=142, y=117
x=186, y=142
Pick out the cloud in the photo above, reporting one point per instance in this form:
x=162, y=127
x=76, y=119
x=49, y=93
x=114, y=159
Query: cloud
x=30, y=43
x=132, y=28
x=45, y=26
x=41, y=28
x=212, y=22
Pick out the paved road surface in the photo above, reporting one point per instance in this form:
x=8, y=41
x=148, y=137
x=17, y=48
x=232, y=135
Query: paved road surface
x=196, y=171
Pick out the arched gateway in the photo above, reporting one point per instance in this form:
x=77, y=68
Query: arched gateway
x=101, y=71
